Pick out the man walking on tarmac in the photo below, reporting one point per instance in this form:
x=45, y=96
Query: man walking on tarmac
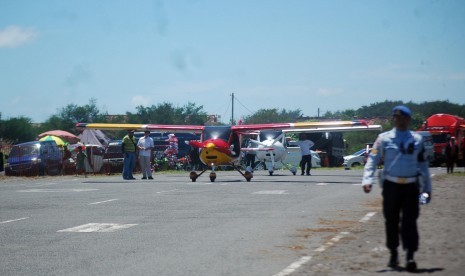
x=405, y=176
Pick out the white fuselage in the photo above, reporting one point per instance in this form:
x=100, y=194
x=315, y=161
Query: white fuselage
x=278, y=153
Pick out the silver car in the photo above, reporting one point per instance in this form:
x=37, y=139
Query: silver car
x=354, y=160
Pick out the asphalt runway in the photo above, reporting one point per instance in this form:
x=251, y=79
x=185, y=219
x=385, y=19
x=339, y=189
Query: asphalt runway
x=104, y=225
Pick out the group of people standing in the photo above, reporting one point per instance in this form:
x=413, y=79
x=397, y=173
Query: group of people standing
x=132, y=149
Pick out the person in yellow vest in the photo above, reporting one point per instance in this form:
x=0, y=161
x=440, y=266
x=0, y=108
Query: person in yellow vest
x=129, y=145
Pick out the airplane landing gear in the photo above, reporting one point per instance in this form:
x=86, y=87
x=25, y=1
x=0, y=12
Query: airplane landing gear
x=212, y=176
x=292, y=169
x=248, y=176
x=193, y=176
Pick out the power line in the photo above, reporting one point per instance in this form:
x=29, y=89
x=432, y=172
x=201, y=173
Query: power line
x=227, y=109
x=251, y=112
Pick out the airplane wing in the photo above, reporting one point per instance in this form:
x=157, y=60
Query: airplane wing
x=256, y=149
x=141, y=127
x=335, y=129
x=329, y=126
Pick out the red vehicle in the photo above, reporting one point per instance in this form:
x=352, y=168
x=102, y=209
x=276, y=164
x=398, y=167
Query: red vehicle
x=442, y=127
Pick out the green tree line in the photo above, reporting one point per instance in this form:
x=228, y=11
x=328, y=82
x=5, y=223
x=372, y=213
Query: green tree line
x=21, y=129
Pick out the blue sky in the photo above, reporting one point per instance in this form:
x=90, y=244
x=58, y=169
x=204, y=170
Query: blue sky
x=309, y=54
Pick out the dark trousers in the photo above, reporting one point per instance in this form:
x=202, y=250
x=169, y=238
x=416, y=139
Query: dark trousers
x=401, y=211
x=450, y=166
x=250, y=160
x=306, y=160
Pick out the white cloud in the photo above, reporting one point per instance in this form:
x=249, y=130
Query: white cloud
x=326, y=92
x=140, y=100
x=459, y=76
x=15, y=36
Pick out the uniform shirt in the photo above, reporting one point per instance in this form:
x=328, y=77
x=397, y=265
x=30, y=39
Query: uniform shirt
x=251, y=145
x=305, y=146
x=147, y=143
x=404, y=156
x=129, y=144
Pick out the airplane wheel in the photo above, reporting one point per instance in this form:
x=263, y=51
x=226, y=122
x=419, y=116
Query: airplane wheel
x=193, y=176
x=248, y=176
x=212, y=176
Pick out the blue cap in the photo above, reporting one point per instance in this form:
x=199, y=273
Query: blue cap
x=401, y=110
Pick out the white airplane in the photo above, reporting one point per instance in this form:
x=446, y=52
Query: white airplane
x=272, y=147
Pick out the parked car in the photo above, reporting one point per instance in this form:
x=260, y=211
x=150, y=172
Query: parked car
x=34, y=158
x=356, y=159
x=113, y=157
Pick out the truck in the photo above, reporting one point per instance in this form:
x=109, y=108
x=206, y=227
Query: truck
x=442, y=127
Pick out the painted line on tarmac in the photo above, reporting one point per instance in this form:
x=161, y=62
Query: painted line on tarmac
x=322, y=184
x=199, y=183
x=271, y=192
x=367, y=217
x=105, y=201
x=55, y=190
x=97, y=228
x=332, y=241
x=294, y=266
x=305, y=259
x=13, y=220
x=161, y=192
x=45, y=184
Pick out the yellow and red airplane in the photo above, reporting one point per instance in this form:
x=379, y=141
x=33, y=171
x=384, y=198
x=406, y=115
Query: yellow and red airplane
x=221, y=145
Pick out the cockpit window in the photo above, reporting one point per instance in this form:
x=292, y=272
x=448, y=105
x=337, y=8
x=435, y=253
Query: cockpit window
x=217, y=132
x=269, y=135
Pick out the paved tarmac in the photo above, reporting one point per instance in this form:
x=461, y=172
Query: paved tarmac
x=104, y=225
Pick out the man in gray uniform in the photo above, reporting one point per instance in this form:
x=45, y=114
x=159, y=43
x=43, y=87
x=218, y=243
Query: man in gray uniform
x=404, y=177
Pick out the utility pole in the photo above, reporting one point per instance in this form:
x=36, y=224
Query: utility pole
x=232, y=109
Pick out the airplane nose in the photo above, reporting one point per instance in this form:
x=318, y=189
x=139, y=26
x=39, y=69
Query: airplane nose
x=210, y=146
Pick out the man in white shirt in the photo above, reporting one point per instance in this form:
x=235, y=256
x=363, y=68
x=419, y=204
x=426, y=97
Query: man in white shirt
x=305, y=144
x=145, y=145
